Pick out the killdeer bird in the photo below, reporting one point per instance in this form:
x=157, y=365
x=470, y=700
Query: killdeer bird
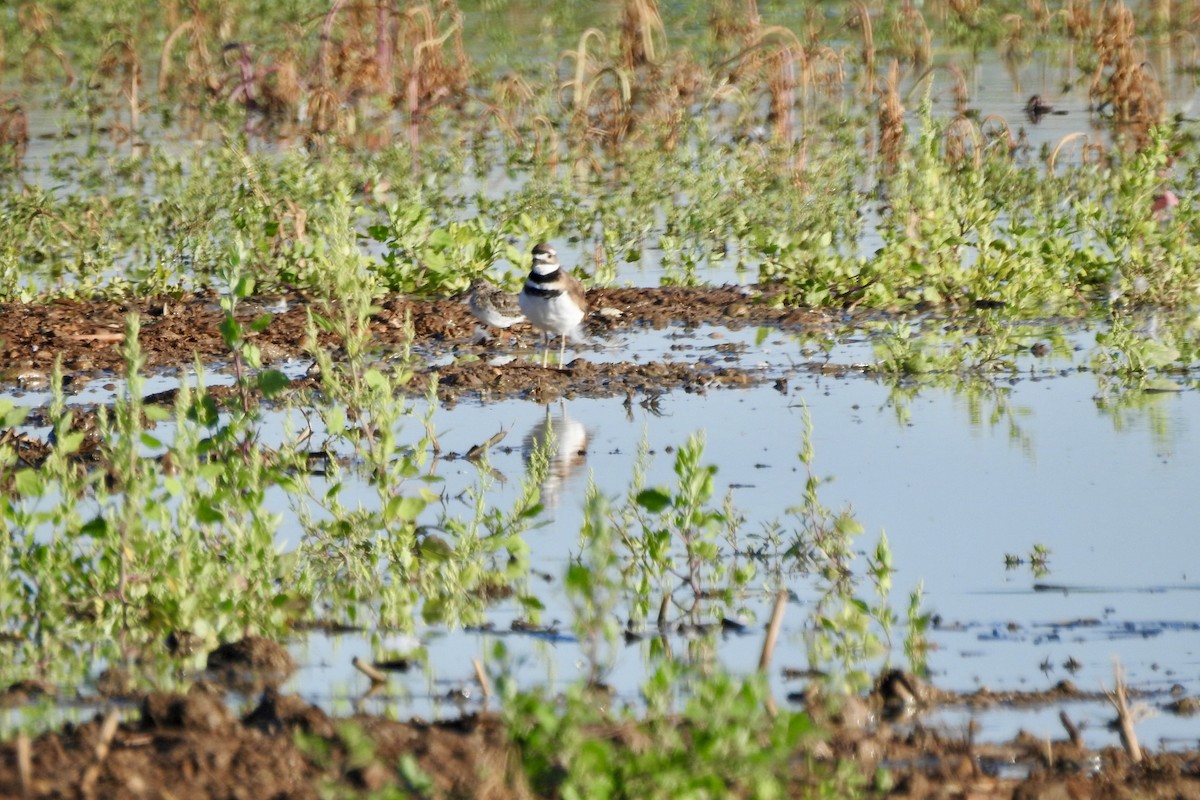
x=564, y=441
x=552, y=300
x=493, y=306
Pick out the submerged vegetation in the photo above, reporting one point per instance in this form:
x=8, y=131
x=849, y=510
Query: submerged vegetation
x=348, y=151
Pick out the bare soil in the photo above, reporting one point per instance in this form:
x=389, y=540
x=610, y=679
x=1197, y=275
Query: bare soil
x=192, y=746
x=88, y=337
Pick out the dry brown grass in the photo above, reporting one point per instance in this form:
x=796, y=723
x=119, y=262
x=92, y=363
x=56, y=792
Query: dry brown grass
x=1121, y=81
x=731, y=25
x=282, y=91
x=891, y=119
x=966, y=10
x=599, y=98
x=200, y=73
x=1039, y=14
x=997, y=133
x=790, y=73
x=1089, y=151
x=14, y=132
x=371, y=57
x=963, y=140
x=641, y=24
x=912, y=40
x=961, y=92
x=1160, y=14
x=1077, y=17
x=862, y=19
x=1014, y=45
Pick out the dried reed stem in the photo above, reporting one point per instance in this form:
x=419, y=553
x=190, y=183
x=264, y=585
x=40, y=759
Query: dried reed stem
x=485, y=685
x=891, y=119
x=25, y=765
x=373, y=673
x=1120, y=701
x=768, y=649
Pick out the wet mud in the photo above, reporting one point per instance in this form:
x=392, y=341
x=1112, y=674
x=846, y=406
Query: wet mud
x=88, y=337
x=192, y=746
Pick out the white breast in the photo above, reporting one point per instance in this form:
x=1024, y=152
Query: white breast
x=551, y=314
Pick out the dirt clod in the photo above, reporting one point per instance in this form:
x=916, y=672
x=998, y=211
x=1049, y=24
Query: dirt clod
x=251, y=663
x=89, y=335
x=287, y=748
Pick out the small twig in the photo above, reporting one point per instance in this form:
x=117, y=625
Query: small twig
x=94, y=337
x=1119, y=700
x=108, y=731
x=662, y=611
x=768, y=650
x=370, y=670
x=1072, y=731
x=87, y=785
x=25, y=765
x=476, y=452
x=485, y=685
x=434, y=444
x=972, y=732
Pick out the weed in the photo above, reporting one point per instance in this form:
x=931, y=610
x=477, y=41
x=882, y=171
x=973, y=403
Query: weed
x=845, y=633
x=724, y=742
x=1038, y=560
x=682, y=519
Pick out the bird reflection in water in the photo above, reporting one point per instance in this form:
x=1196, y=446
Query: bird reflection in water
x=565, y=443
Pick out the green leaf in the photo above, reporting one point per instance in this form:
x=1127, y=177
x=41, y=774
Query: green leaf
x=231, y=331
x=271, y=382
x=28, y=482
x=579, y=579
x=434, y=610
x=10, y=414
x=252, y=355
x=531, y=603
x=532, y=511
x=322, y=322
x=405, y=509
x=245, y=285
x=209, y=514
x=435, y=548
x=69, y=442
x=204, y=411
x=653, y=500
x=376, y=380
x=260, y=323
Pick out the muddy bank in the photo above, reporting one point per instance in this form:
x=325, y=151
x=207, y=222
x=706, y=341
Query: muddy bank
x=88, y=335
x=192, y=746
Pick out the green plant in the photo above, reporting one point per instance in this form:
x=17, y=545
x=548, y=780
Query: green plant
x=723, y=742
x=840, y=635
x=675, y=536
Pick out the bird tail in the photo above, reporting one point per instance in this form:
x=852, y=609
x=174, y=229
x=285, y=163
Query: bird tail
x=577, y=335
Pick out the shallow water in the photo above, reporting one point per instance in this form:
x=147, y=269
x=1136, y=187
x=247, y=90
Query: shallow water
x=955, y=486
x=1116, y=510
x=957, y=479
